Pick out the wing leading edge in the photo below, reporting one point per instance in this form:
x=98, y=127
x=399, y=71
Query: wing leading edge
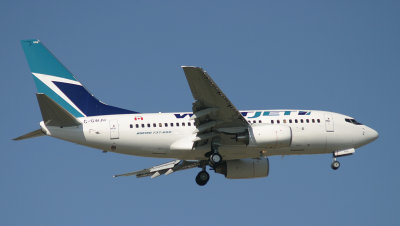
x=213, y=112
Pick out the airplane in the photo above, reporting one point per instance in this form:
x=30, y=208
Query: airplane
x=215, y=134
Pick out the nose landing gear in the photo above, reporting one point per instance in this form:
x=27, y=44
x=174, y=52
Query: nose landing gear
x=340, y=153
x=335, y=164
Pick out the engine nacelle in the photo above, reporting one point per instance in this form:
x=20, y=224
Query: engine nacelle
x=244, y=168
x=270, y=136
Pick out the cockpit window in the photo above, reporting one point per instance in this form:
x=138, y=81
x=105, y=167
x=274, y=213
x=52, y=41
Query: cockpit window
x=353, y=121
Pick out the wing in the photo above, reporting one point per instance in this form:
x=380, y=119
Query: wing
x=166, y=168
x=213, y=112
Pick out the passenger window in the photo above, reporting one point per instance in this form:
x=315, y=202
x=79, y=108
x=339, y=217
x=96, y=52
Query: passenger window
x=166, y=124
x=189, y=124
x=259, y=121
x=148, y=124
x=295, y=121
x=277, y=121
x=131, y=126
x=137, y=125
x=313, y=120
x=301, y=120
x=272, y=121
x=177, y=124
x=142, y=125
x=284, y=121
x=307, y=120
x=183, y=124
x=249, y=121
x=254, y=121
x=160, y=124
x=154, y=125
x=290, y=121
x=318, y=120
x=172, y=124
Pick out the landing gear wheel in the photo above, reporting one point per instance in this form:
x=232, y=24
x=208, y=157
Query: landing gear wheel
x=202, y=178
x=335, y=165
x=215, y=159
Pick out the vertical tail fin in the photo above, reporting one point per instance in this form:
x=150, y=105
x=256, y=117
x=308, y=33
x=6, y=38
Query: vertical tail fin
x=55, y=81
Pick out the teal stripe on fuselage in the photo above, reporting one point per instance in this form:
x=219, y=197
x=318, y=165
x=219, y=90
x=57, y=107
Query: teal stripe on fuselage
x=42, y=61
x=43, y=88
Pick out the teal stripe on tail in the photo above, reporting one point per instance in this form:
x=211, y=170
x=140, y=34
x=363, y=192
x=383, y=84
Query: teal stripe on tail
x=54, y=80
x=42, y=61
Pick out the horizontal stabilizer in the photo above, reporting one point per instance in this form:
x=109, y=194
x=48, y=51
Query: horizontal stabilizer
x=36, y=133
x=53, y=114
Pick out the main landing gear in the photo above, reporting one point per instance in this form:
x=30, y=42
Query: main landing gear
x=202, y=177
x=214, y=159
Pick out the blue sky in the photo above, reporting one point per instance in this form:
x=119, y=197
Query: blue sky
x=340, y=56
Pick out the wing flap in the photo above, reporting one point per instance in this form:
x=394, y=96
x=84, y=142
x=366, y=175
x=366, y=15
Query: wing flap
x=163, y=169
x=212, y=109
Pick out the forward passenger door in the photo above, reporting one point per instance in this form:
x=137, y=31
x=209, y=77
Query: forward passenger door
x=329, y=126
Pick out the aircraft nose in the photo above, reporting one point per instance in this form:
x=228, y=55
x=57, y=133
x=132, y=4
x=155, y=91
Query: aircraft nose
x=370, y=135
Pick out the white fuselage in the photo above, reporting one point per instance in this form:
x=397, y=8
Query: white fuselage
x=163, y=135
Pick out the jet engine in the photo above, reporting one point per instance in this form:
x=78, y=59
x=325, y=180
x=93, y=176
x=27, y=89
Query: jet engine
x=244, y=168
